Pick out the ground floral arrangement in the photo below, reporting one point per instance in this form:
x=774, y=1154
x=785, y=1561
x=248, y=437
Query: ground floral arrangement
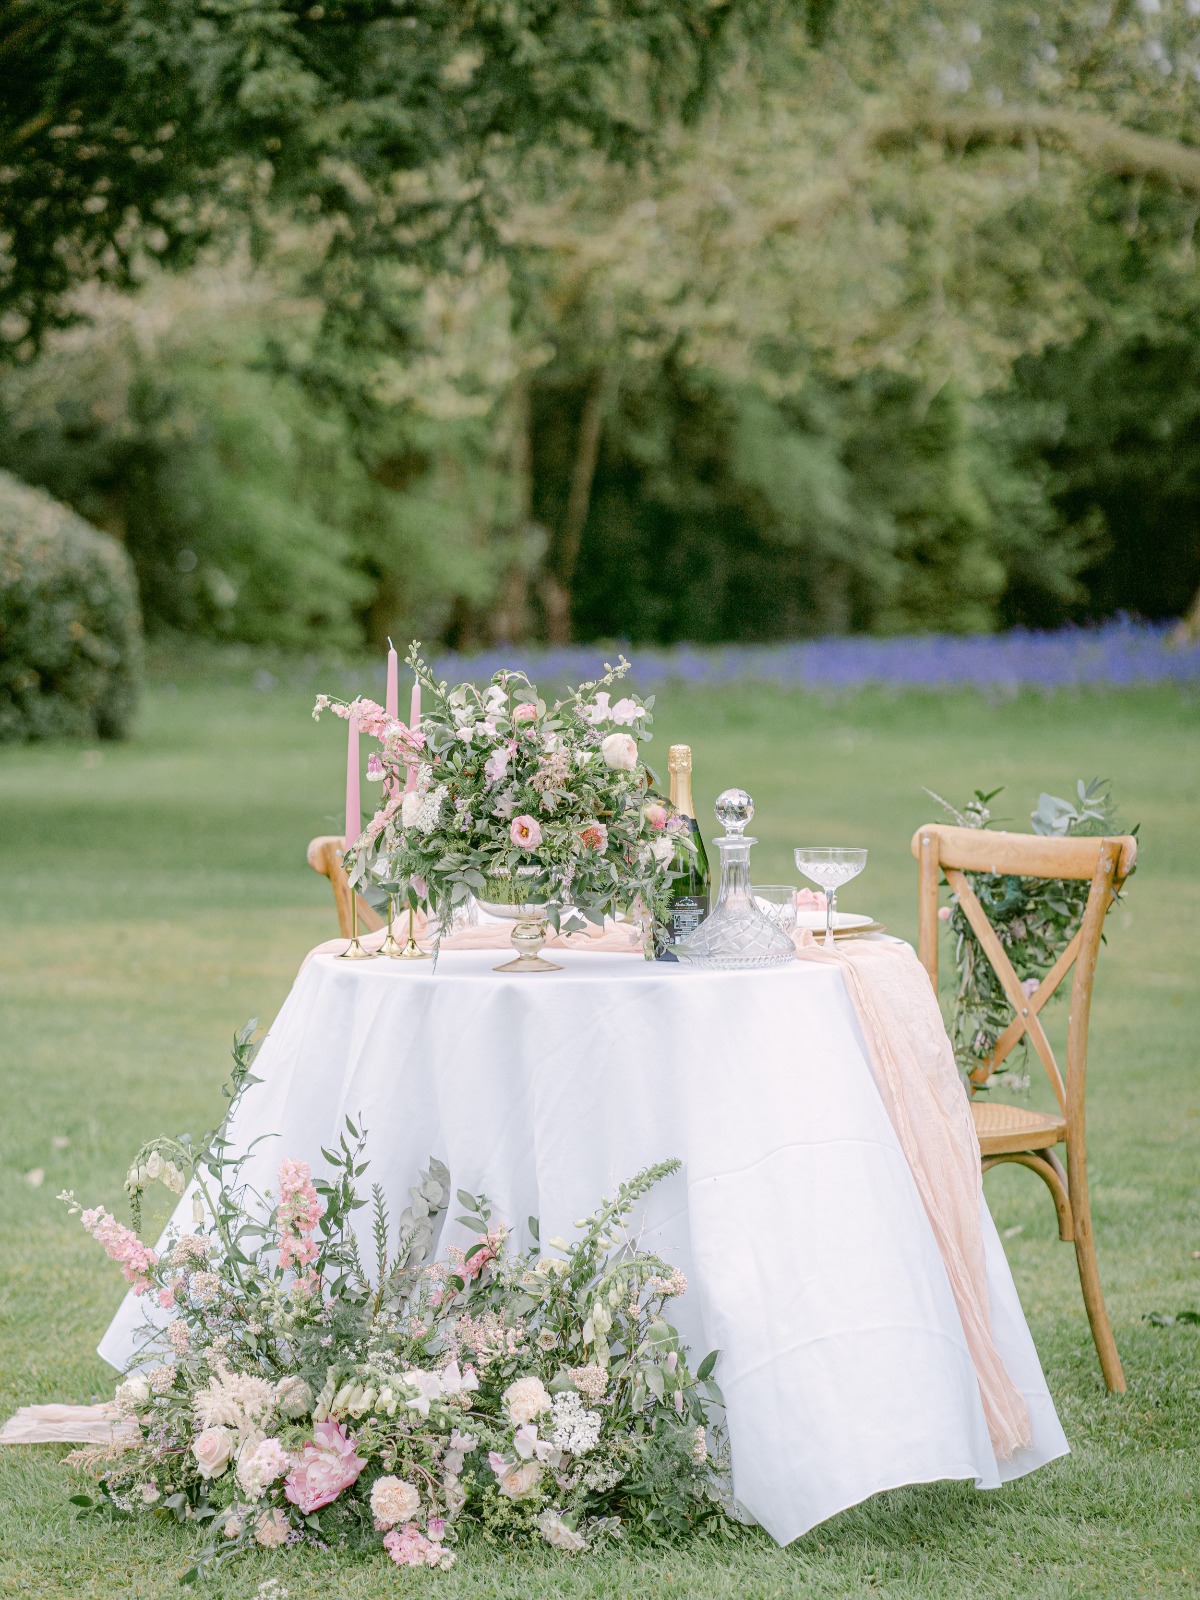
x=296, y=1393
x=498, y=794
x=1035, y=919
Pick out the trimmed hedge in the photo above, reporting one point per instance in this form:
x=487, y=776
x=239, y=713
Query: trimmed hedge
x=70, y=626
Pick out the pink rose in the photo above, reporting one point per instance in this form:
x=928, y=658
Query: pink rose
x=525, y=712
x=620, y=752
x=943, y=913
x=595, y=836
x=213, y=1450
x=327, y=1465
x=517, y=1479
x=656, y=816
x=525, y=832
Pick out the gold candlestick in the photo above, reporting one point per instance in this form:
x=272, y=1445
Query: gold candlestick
x=411, y=950
x=355, y=950
x=391, y=946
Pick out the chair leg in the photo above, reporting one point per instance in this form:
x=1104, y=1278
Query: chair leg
x=1050, y=1170
x=1089, y=1277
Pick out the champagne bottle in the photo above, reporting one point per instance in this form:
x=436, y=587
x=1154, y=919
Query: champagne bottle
x=689, y=902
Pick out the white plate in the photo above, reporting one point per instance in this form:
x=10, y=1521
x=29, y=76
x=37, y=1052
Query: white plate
x=808, y=918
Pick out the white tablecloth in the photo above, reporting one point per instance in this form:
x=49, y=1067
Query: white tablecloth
x=811, y=1263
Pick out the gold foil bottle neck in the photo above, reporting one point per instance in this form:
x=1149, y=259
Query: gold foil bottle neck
x=679, y=758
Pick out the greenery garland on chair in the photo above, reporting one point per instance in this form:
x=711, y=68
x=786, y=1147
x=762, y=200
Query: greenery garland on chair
x=1034, y=918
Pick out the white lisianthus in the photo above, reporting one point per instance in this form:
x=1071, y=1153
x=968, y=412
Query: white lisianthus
x=620, y=752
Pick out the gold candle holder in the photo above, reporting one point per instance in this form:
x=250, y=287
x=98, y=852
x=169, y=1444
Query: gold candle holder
x=355, y=950
x=391, y=946
x=410, y=950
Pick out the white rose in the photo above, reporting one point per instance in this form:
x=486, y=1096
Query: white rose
x=410, y=807
x=213, y=1450
x=620, y=752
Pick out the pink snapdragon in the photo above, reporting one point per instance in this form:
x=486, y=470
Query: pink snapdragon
x=297, y=1215
x=121, y=1245
x=408, y=1546
x=327, y=1465
x=526, y=832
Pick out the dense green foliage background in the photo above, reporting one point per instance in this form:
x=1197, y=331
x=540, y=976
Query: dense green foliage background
x=534, y=320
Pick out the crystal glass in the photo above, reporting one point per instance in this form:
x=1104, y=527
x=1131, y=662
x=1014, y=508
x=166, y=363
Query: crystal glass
x=736, y=933
x=777, y=901
x=829, y=867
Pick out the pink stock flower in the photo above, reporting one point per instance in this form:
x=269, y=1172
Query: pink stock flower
x=656, y=816
x=595, y=836
x=166, y=1298
x=326, y=1466
x=121, y=1245
x=297, y=1214
x=526, y=832
x=408, y=1546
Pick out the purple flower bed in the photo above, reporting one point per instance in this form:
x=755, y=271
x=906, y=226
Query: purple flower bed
x=1118, y=655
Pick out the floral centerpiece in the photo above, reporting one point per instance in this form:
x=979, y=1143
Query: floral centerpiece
x=299, y=1393
x=499, y=794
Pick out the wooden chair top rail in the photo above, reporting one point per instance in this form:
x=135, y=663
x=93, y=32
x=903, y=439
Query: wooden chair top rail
x=1025, y=855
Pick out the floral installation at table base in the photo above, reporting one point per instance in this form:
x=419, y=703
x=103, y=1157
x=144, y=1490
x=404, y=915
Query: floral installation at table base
x=299, y=1394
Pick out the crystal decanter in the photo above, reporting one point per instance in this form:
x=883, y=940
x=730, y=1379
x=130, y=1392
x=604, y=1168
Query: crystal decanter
x=736, y=933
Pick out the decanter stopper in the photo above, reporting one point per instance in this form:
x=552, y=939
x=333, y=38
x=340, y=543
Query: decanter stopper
x=734, y=809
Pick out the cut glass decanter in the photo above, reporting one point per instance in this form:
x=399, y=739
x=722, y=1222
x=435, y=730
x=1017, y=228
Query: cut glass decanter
x=736, y=933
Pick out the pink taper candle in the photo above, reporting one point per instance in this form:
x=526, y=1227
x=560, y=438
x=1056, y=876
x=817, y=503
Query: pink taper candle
x=414, y=721
x=353, y=798
x=392, y=700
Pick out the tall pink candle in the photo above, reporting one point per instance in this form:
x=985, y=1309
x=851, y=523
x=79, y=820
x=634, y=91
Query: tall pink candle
x=353, y=797
x=391, y=702
x=414, y=721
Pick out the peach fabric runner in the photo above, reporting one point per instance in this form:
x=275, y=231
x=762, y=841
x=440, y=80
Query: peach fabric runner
x=617, y=938
x=913, y=1066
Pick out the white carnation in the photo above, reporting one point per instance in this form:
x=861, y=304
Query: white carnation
x=525, y=1399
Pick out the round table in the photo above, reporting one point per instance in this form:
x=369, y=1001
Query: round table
x=811, y=1263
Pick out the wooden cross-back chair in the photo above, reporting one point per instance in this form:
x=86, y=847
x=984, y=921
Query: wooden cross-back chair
x=325, y=857
x=1016, y=1133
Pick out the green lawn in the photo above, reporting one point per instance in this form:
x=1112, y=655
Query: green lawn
x=155, y=895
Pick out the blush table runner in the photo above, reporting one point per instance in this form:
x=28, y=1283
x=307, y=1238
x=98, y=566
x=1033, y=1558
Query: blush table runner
x=812, y=1261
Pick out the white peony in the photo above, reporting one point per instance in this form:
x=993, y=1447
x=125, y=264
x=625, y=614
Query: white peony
x=393, y=1501
x=213, y=1450
x=620, y=752
x=525, y=1399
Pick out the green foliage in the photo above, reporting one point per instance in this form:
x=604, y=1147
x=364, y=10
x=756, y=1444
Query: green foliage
x=1034, y=919
x=70, y=630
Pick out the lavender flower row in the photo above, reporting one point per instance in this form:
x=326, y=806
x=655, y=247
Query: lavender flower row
x=1119, y=654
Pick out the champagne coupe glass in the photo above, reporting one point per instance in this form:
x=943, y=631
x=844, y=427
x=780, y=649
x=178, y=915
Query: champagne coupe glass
x=829, y=867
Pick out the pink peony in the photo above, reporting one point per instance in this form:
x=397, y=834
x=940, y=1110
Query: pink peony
x=595, y=836
x=656, y=816
x=525, y=832
x=327, y=1465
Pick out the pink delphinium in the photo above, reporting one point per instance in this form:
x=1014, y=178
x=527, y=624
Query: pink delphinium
x=297, y=1214
x=121, y=1245
x=408, y=1546
x=327, y=1465
x=595, y=836
x=526, y=832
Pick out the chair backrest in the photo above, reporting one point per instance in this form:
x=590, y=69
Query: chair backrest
x=325, y=857
x=954, y=852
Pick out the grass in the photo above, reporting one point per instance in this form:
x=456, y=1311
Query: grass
x=155, y=895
